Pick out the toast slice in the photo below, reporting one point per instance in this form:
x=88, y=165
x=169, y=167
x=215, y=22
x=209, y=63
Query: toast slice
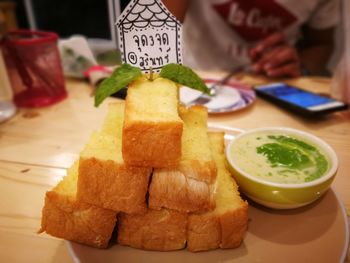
x=152, y=127
x=225, y=226
x=65, y=217
x=161, y=230
x=196, y=159
x=104, y=179
x=190, y=186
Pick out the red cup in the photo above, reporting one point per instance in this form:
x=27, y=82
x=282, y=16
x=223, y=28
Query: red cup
x=34, y=67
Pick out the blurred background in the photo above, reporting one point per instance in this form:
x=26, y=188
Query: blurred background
x=87, y=36
x=90, y=18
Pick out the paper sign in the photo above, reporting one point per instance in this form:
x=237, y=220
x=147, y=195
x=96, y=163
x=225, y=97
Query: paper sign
x=149, y=35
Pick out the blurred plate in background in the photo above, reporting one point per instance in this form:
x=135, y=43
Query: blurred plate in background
x=230, y=97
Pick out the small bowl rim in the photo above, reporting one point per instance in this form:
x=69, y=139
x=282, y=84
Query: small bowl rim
x=313, y=138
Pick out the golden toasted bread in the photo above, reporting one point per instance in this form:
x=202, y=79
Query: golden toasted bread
x=152, y=126
x=65, y=217
x=104, y=178
x=188, y=187
x=160, y=230
x=225, y=226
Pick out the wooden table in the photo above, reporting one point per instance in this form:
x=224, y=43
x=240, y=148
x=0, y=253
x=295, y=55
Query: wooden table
x=36, y=147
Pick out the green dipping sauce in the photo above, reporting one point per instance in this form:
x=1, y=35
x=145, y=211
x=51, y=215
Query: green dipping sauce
x=279, y=158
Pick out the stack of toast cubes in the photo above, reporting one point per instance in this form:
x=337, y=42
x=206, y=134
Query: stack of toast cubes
x=154, y=173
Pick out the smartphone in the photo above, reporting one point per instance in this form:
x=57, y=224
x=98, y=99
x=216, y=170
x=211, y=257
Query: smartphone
x=298, y=100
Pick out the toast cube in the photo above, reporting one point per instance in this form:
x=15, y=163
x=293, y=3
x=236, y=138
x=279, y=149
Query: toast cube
x=225, y=226
x=104, y=179
x=63, y=216
x=161, y=230
x=152, y=127
x=188, y=187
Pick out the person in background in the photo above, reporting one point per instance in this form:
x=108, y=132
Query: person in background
x=278, y=38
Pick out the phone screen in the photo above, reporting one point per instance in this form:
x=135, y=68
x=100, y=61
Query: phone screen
x=300, y=100
x=295, y=96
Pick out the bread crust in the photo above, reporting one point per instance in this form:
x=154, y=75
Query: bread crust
x=204, y=171
x=64, y=217
x=233, y=226
x=195, y=134
x=114, y=186
x=155, y=141
x=151, y=144
x=161, y=230
x=189, y=187
x=223, y=227
x=203, y=232
x=210, y=231
x=174, y=190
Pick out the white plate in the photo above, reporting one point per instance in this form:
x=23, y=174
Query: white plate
x=318, y=233
x=231, y=97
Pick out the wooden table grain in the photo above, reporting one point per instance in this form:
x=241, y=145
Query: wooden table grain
x=37, y=145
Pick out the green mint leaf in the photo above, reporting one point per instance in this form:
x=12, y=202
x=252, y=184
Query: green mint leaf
x=184, y=76
x=120, y=78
